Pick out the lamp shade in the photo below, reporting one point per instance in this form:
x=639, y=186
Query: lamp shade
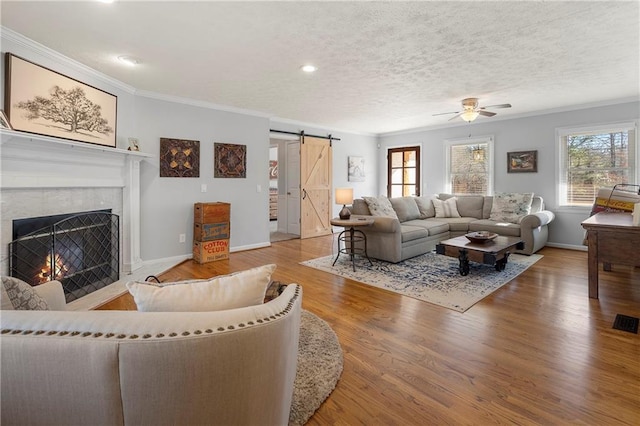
x=344, y=196
x=469, y=115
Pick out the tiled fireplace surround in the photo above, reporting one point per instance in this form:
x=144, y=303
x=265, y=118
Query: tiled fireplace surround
x=44, y=176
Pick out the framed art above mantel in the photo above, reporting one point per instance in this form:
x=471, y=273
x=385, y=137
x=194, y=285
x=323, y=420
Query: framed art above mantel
x=44, y=102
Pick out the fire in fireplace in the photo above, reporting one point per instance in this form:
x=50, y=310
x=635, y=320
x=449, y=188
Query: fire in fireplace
x=81, y=250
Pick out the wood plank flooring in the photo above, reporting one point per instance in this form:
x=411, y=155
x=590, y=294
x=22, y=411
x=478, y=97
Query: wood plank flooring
x=537, y=351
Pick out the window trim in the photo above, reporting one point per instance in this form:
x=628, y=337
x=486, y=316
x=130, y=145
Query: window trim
x=561, y=157
x=418, y=149
x=448, y=143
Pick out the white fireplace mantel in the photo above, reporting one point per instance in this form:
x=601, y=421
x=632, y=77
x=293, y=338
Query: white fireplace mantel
x=31, y=161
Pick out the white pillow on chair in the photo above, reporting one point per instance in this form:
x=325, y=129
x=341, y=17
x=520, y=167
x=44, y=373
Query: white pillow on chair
x=237, y=290
x=446, y=208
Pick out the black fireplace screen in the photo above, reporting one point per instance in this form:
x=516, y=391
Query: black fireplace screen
x=80, y=250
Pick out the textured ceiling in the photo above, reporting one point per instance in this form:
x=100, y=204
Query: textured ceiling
x=382, y=66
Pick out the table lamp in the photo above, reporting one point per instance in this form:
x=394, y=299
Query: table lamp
x=344, y=196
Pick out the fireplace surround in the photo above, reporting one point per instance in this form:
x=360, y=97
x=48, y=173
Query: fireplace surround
x=43, y=176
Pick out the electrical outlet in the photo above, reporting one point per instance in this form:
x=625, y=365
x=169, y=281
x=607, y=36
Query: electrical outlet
x=203, y=187
x=258, y=188
x=182, y=238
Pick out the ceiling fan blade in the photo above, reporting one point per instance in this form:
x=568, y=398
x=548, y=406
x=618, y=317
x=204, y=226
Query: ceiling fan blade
x=486, y=113
x=456, y=116
x=445, y=113
x=497, y=106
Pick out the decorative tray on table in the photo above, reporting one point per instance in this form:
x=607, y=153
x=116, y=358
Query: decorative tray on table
x=481, y=236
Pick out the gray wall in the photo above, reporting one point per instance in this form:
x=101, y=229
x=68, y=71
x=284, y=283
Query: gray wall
x=350, y=144
x=519, y=134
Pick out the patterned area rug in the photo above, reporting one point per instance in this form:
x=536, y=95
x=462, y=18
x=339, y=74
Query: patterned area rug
x=430, y=277
x=319, y=367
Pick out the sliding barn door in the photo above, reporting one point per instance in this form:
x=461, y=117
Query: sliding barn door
x=315, y=179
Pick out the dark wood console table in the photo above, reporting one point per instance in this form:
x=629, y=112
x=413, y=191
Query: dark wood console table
x=611, y=239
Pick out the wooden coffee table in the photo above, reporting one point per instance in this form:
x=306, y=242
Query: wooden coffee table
x=494, y=252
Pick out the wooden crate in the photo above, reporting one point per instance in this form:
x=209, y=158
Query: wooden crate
x=217, y=212
x=210, y=231
x=210, y=251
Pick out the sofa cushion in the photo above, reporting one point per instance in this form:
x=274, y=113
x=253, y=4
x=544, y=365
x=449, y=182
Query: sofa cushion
x=457, y=224
x=470, y=205
x=425, y=205
x=410, y=233
x=405, y=208
x=446, y=208
x=434, y=227
x=22, y=296
x=510, y=207
x=380, y=206
x=237, y=290
x=501, y=228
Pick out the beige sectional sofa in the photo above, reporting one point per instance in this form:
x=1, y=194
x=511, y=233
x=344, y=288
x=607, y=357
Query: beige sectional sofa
x=417, y=230
x=227, y=367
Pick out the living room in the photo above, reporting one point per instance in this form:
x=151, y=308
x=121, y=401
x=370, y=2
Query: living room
x=166, y=204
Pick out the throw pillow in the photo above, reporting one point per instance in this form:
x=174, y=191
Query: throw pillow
x=380, y=206
x=274, y=290
x=446, y=208
x=23, y=297
x=510, y=207
x=237, y=290
x=405, y=208
x=425, y=205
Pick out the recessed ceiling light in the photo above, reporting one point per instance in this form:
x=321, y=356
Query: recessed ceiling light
x=129, y=60
x=309, y=68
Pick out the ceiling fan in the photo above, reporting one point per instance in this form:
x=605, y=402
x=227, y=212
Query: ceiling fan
x=471, y=110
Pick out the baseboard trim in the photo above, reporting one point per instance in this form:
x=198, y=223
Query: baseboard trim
x=567, y=246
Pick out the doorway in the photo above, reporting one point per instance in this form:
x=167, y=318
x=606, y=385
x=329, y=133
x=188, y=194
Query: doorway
x=284, y=188
x=403, y=172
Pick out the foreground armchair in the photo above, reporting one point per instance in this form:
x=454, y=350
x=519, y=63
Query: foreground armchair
x=232, y=367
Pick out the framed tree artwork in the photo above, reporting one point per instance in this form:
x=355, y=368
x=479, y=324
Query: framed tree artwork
x=44, y=102
x=522, y=162
x=229, y=160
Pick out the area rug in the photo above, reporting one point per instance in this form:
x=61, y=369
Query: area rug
x=319, y=367
x=430, y=277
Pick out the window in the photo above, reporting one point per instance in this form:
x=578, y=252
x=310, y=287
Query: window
x=469, y=166
x=594, y=158
x=403, y=171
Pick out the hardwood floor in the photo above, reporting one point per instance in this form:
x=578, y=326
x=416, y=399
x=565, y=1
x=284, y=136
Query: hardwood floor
x=537, y=351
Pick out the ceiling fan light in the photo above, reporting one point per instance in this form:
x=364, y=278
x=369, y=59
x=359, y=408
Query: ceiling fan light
x=469, y=116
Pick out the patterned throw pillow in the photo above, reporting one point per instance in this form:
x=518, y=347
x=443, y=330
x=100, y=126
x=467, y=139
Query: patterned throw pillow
x=274, y=290
x=22, y=296
x=510, y=207
x=446, y=208
x=380, y=206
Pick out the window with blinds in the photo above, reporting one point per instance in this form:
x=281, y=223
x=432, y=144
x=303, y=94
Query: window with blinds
x=594, y=158
x=469, y=166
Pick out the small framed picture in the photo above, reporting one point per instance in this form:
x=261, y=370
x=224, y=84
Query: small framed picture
x=4, y=121
x=522, y=162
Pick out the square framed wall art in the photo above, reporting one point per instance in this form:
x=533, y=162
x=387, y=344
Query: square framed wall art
x=522, y=162
x=179, y=158
x=229, y=160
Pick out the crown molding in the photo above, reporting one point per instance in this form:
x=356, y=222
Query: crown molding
x=201, y=104
x=57, y=57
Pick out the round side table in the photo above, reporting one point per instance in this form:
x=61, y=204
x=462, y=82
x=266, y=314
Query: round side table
x=350, y=236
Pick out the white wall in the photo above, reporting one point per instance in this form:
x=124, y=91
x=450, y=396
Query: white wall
x=520, y=134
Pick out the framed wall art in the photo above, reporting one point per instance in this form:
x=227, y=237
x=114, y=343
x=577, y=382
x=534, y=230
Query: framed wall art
x=522, y=162
x=229, y=160
x=356, y=169
x=45, y=102
x=4, y=121
x=179, y=158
